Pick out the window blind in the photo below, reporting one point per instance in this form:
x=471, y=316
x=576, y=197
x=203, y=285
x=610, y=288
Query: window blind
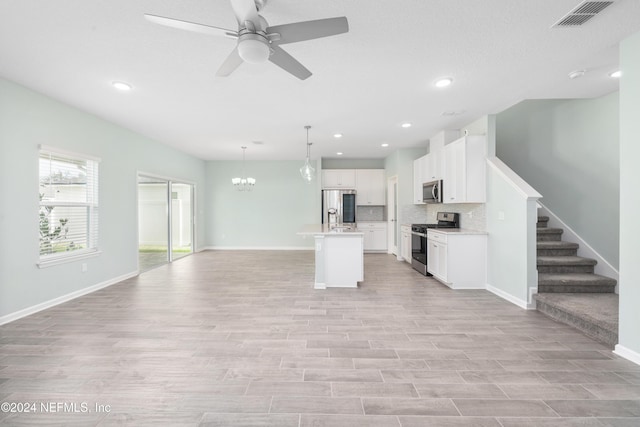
x=68, y=211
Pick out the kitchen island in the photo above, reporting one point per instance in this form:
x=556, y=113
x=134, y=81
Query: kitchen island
x=339, y=255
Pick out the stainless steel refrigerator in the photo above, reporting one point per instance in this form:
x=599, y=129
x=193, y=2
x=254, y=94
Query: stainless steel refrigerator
x=339, y=206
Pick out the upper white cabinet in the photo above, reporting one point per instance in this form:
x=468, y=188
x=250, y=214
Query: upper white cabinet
x=370, y=187
x=338, y=178
x=419, y=165
x=433, y=169
x=464, y=178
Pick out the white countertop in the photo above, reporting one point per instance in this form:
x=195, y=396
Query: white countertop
x=457, y=231
x=323, y=229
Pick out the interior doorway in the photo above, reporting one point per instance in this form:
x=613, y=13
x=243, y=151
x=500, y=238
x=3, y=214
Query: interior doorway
x=165, y=220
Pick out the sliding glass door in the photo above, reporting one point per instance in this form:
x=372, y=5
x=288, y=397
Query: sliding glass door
x=165, y=221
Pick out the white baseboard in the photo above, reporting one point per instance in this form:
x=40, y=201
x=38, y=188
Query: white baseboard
x=628, y=354
x=517, y=301
x=603, y=267
x=64, y=298
x=258, y=248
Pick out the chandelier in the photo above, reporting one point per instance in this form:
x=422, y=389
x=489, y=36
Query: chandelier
x=307, y=171
x=244, y=183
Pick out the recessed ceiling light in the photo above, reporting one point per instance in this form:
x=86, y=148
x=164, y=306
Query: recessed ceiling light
x=121, y=86
x=339, y=153
x=577, y=73
x=406, y=125
x=337, y=135
x=444, y=82
x=385, y=145
x=616, y=74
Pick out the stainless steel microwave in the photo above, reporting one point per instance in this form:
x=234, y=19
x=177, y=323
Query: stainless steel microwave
x=432, y=192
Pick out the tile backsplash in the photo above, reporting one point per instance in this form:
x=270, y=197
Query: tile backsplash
x=371, y=213
x=472, y=215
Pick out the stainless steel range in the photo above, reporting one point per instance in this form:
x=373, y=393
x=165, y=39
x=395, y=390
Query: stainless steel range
x=419, y=238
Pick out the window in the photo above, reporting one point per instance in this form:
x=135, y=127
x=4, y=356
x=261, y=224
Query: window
x=68, y=213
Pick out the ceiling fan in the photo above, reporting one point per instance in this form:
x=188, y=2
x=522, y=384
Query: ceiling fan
x=257, y=41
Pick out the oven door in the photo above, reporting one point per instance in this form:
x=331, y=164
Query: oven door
x=419, y=252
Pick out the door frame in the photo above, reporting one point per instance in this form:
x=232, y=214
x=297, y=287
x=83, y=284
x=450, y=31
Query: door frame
x=170, y=181
x=392, y=216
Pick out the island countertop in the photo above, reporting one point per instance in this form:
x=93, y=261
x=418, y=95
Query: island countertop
x=324, y=229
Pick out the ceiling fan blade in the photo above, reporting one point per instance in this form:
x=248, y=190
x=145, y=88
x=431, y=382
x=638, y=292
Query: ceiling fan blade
x=191, y=26
x=230, y=64
x=308, y=30
x=288, y=63
x=245, y=10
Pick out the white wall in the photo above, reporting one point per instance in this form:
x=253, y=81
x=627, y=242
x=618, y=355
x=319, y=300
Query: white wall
x=569, y=151
x=629, y=285
x=28, y=119
x=269, y=216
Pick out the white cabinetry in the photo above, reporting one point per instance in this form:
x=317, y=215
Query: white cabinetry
x=457, y=259
x=339, y=178
x=464, y=170
x=375, y=236
x=433, y=169
x=419, y=165
x=405, y=243
x=370, y=187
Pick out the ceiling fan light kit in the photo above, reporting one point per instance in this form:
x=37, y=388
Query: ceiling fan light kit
x=257, y=42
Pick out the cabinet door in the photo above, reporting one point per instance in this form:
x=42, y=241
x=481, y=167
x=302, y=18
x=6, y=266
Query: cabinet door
x=379, y=239
x=454, y=172
x=370, y=186
x=405, y=245
x=432, y=258
x=435, y=165
x=338, y=178
x=443, y=266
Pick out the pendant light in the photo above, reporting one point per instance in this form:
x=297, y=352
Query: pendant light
x=244, y=183
x=307, y=171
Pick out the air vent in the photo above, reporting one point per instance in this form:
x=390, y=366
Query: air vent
x=582, y=13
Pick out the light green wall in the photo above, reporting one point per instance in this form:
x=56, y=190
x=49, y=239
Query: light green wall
x=28, y=119
x=568, y=150
x=629, y=329
x=270, y=215
x=353, y=163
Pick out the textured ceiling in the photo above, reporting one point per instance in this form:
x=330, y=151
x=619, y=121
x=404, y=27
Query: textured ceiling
x=365, y=83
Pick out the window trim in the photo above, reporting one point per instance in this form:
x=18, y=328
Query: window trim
x=49, y=260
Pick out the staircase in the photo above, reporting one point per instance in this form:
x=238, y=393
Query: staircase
x=568, y=289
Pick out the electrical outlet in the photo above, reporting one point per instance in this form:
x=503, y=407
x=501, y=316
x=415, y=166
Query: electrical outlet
x=84, y=267
x=501, y=216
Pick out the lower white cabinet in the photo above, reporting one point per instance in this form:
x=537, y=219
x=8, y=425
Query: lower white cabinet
x=375, y=236
x=405, y=243
x=458, y=259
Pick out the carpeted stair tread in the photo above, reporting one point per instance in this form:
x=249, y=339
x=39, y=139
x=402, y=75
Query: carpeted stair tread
x=565, y=260
x=542, y=221
x=594, y=314
x=575, y=283
x=549, y=230
x=559, y=244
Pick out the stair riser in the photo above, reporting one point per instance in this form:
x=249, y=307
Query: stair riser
x=589, y=328
x=565, y=269
x=572, y=289
x=541, y=224
x=557, y=252
x=549, y=237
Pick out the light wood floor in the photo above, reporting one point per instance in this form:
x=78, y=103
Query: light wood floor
x=241, y=338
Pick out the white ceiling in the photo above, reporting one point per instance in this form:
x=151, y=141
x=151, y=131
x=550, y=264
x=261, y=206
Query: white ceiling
x=365, y=83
